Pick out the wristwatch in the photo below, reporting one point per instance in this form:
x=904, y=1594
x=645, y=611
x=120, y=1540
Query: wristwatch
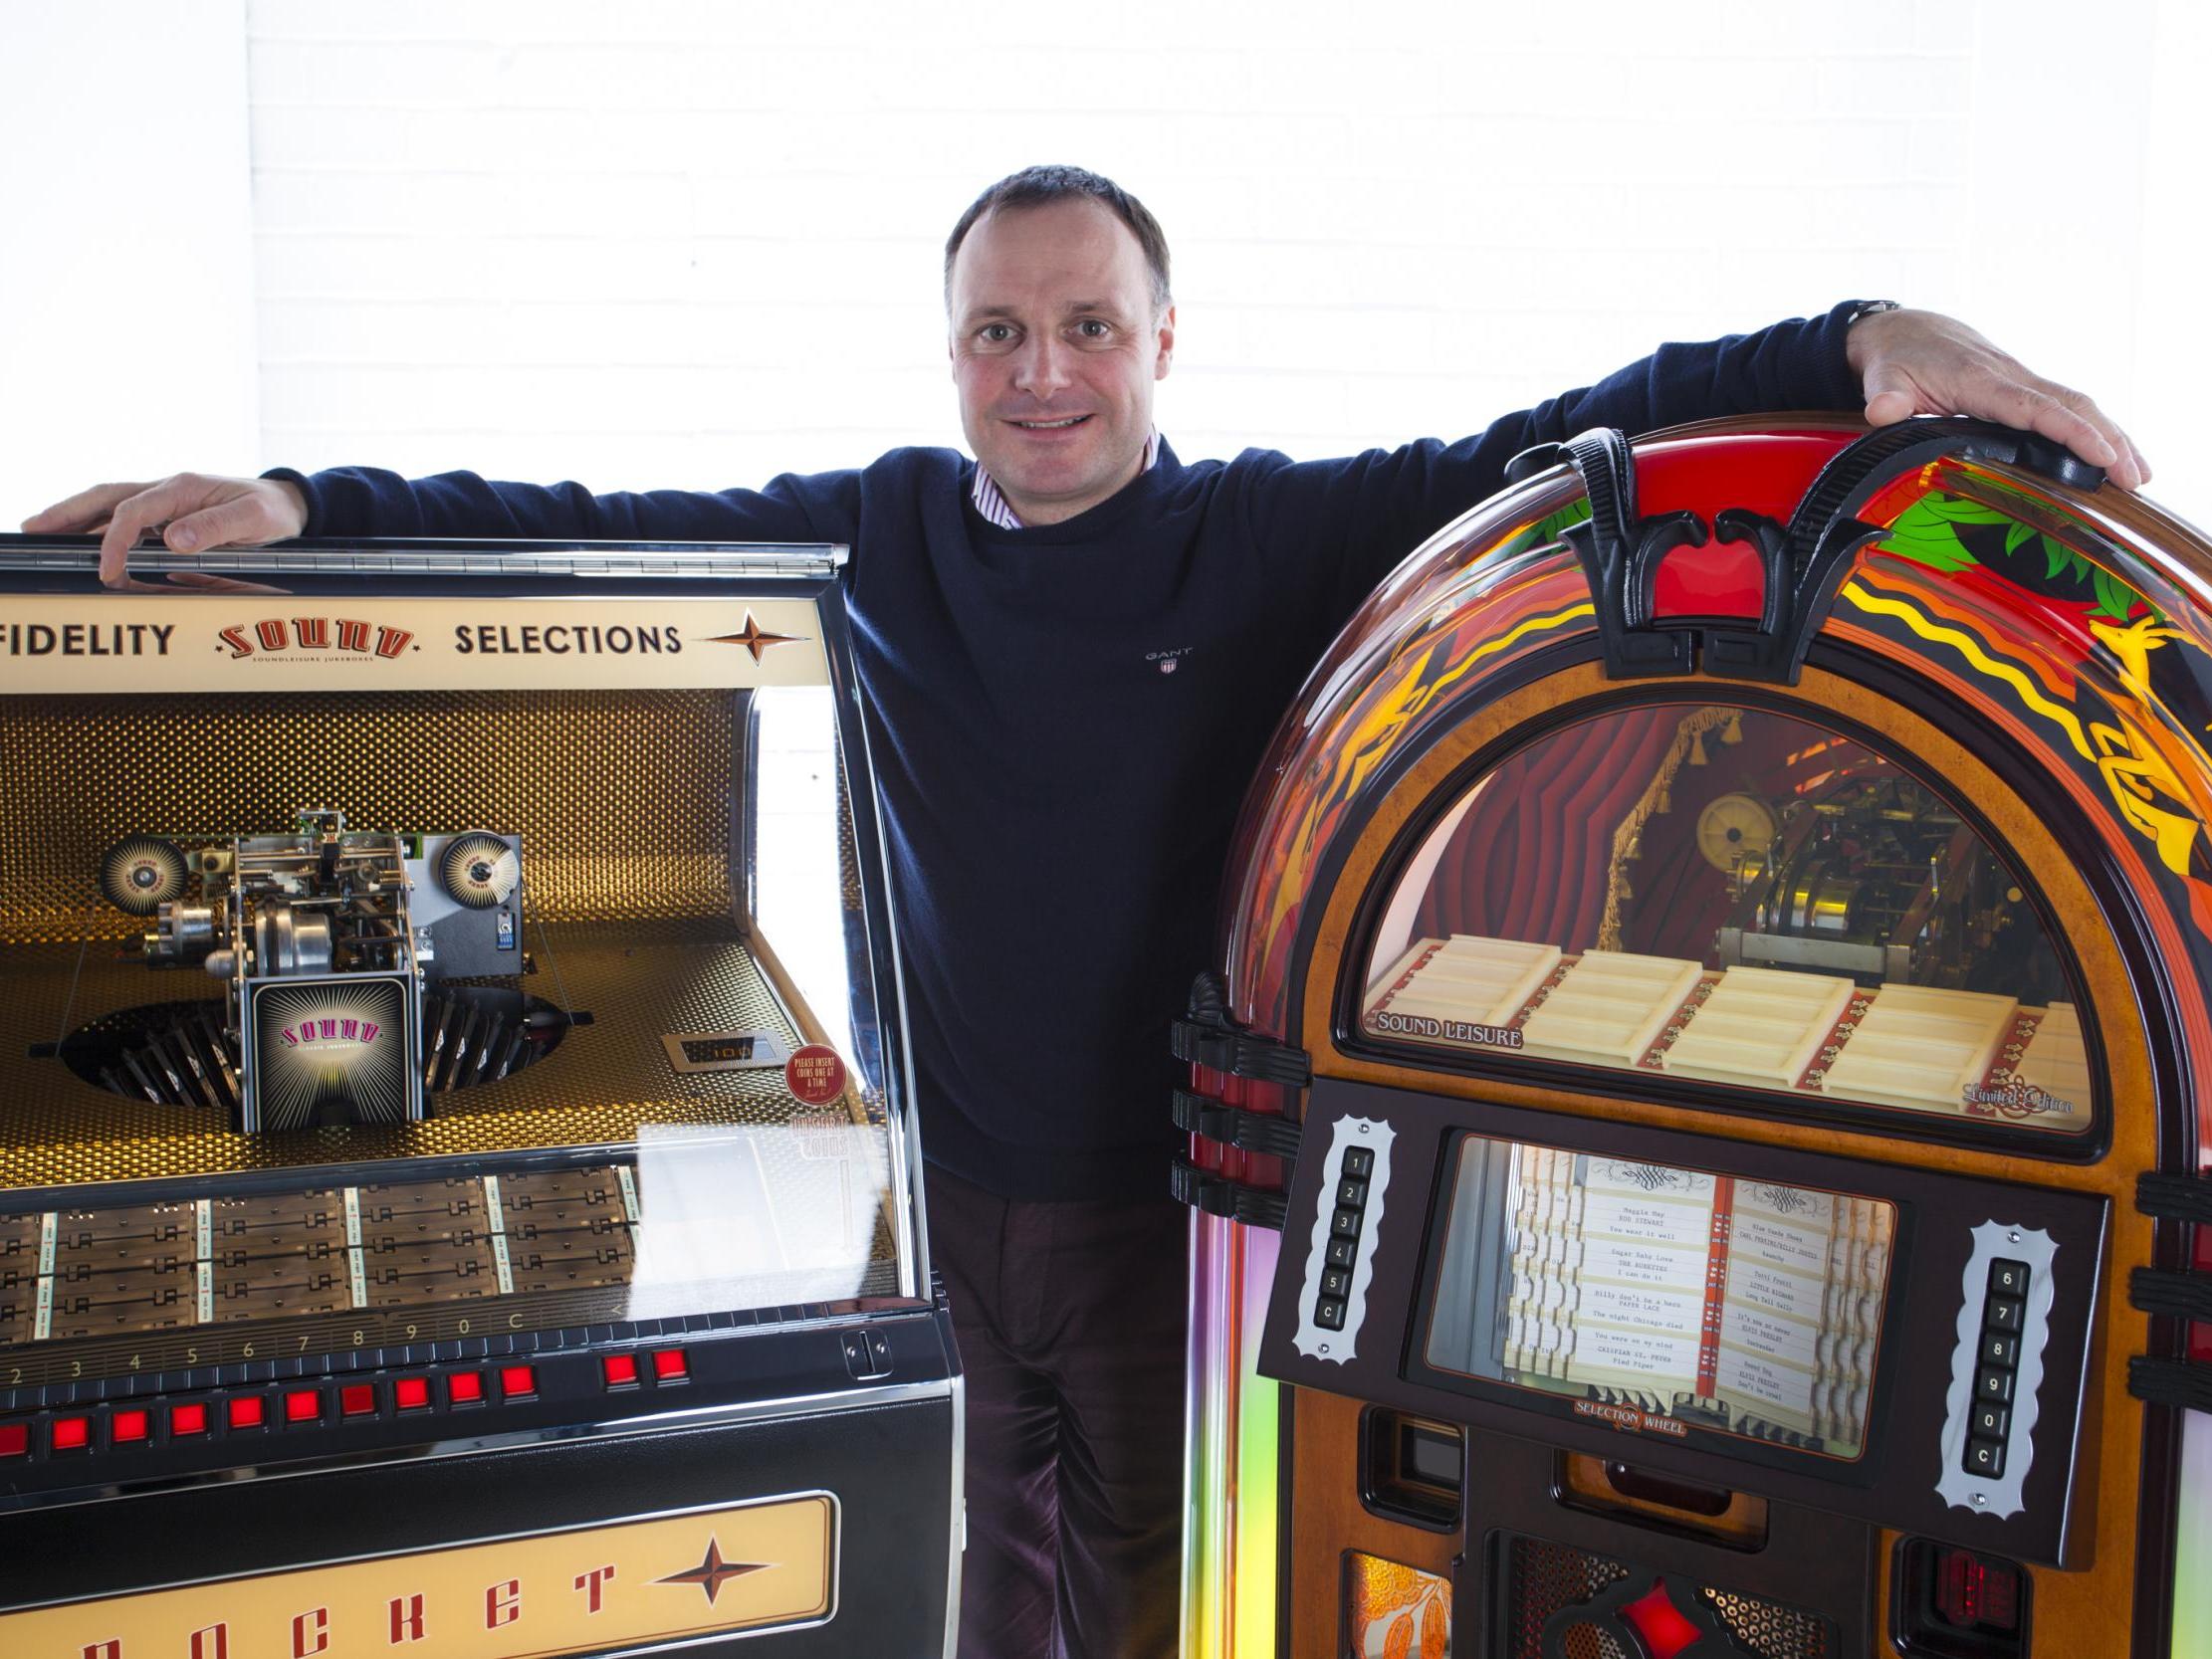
x=1868, y=308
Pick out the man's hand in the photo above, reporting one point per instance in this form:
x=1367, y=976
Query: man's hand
x=1923, y=363
x=199, y=512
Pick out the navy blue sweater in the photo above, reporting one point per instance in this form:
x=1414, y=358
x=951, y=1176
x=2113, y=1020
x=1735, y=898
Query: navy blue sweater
x=1058, y=809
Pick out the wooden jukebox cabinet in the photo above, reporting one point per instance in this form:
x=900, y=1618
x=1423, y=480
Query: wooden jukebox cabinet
x=1699, y=1139
x=456, y=1157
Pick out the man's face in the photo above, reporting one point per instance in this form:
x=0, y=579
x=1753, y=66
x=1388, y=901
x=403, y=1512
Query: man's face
x=1056, y=346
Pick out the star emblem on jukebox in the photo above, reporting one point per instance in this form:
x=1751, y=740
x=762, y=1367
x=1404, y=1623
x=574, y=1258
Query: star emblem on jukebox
x=713, y=1571
x=752, y=637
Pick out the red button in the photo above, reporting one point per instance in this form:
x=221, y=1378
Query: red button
x=620, y=1370
x=15, y=1439
x=358, y=1399
x=518, y=1382
x=188, y=1419
x=465, y=1389
x=127, y=1426
x=246, y=1412
x=303, y=1405
x=670, y=1365
x=72, y=1434
x=411, y=1393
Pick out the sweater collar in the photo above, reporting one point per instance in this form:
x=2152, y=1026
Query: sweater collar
x=992, y=505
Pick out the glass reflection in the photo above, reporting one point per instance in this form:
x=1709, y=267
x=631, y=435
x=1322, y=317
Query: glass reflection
x=1654, y=1297
x=1738, y=896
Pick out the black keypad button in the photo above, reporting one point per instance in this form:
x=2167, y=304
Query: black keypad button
x=1351, y=1192
x=1336, y=1282
x=2008, y=1278
x=1343, y=1251
x=2003, y=1312
x=1985, y=1457
x=1993, y=1386
x=1328, y=1313
x=1359, y=1161
x=2000, y=1348
x=1345, y=1223
x=1992, y=1420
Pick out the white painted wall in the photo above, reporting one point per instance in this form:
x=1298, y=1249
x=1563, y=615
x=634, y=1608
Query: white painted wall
x=697, y=243
x=126, y=275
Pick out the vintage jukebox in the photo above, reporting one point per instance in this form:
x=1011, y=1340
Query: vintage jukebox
x=1699, y=1144
x=458, y=1177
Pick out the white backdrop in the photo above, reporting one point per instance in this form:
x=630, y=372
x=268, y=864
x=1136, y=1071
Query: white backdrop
x=698, y=243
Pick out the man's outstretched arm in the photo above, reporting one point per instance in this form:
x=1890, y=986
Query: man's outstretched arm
x=1359, y=517
x=200, y=511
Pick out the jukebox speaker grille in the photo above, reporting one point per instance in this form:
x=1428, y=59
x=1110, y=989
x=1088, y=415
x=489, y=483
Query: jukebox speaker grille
x=1769, y=1629
x=1547, y=1580
x=622, y=798
x=1541, y=1578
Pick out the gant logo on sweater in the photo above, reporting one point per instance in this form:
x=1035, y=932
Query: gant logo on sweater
x=1167, y=661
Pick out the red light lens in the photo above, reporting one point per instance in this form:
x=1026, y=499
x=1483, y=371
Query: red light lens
x=411, y=1393
x=247, y=1413
x=1660, y=1623
x=72, y=1434
x=15, y=1439
x=187, y=1419
x=1977, y=1594
x=518, y=1382
x=620, y=1370
x=127, y=1426
x=358, y=1399
x=670, y=1365
x=303, y=1405
x=465, y=1389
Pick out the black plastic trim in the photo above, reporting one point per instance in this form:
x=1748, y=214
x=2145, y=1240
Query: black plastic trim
x=2175, y=1198
x=1239, y=1054
x=1619, y=551
x=1266, y=1133
x=1232, y=1201
x=2177, y=1383
x=2172, y=1293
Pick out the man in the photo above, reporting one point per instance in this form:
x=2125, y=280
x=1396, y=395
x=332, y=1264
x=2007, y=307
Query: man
x=1075, y=648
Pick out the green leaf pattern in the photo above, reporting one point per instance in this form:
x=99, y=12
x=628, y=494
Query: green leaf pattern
x=1927, y=533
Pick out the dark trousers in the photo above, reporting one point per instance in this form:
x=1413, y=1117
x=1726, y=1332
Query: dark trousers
x=1070, y=1321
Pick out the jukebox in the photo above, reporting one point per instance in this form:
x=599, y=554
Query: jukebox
x=458, y=1177
x=1699, y=1142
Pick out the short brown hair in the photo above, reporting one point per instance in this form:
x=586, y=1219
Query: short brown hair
x=1035, y=186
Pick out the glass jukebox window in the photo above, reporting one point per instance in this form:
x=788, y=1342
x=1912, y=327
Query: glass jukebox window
x=1623, y=1287
x=499, y=998
x=1730, y=895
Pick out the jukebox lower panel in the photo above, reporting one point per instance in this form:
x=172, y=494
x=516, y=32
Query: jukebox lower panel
x=827, y=1533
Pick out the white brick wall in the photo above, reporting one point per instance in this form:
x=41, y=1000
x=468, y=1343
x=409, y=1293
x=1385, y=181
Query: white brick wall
x=127, y=281
x=697, y=243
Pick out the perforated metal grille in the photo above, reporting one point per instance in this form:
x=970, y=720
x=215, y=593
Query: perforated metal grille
x=1589, y=1641
x=622, y=799
x=1770, y=1630
x=1541, y=1578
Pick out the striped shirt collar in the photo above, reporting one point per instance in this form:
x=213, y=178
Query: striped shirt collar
x=992, y=505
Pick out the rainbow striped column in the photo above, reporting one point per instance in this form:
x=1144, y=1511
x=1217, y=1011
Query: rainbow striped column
x=1232, y=1480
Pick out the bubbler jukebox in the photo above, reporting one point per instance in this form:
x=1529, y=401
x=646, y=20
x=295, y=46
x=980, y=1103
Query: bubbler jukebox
x=1701, y=1137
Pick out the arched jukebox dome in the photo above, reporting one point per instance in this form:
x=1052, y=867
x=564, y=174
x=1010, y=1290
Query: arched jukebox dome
x=1703, y=887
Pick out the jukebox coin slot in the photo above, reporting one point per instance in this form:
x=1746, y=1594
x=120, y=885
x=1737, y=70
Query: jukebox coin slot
x=1655, y=1499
